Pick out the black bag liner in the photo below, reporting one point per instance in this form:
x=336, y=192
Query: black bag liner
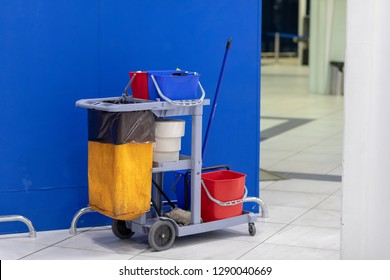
x=121, y=127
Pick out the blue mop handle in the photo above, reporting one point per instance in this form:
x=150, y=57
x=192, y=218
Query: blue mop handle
x=229, y=42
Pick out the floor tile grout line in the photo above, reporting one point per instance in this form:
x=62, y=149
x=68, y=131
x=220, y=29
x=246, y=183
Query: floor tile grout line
x=308, y=176
x=314, y=226
x=165, y=258
x=146, y=250
x=306, y=247
x=302, y=192
x=94, y=250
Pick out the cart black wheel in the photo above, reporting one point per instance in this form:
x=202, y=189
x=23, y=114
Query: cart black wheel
x=120, y=229
x=252, y=229
x=162, y=235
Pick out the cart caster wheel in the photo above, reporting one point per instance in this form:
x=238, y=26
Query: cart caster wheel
x=252, y=229
x=120, y=230
x=162, y=235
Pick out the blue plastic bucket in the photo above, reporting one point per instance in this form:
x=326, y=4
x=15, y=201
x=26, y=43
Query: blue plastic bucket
x=153, y=94
x=176, y=85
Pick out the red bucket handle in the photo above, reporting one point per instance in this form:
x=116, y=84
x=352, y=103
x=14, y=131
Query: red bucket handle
x=225, y=203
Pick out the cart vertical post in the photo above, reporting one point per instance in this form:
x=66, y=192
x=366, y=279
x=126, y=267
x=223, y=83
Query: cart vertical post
x=196, y=170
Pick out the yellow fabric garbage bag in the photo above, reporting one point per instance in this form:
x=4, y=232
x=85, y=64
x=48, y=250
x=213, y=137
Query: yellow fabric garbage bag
x=120, y=179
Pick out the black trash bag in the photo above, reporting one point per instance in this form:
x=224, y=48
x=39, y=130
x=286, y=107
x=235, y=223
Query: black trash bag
x=121, y=127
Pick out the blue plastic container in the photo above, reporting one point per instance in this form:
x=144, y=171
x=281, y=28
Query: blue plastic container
x=183, y=194
x=176, y=85
x=153, y=94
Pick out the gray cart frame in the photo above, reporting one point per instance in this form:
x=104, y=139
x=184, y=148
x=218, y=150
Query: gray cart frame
x=146, y=223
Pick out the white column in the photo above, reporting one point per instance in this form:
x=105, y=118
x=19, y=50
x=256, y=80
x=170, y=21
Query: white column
x=301, y=15
x=366, y=177
x=327, y=41
x=338, y=31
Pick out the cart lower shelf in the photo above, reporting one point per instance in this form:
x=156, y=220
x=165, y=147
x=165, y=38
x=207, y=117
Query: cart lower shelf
x=162, y=231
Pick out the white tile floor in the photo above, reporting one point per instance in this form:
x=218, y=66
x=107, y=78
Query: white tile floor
x=304, y=215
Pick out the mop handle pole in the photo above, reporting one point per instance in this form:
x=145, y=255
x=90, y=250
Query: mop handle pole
x=228, y=44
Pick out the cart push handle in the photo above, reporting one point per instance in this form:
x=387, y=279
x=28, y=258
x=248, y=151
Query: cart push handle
x=225, y=203
x=180, y=102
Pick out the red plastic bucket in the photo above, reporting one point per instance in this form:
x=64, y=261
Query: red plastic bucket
x=139, y=86
x=223, y=185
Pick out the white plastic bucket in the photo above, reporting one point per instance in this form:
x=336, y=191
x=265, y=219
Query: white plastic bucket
x=168, y=133
x=171, y=144
x=169, y=128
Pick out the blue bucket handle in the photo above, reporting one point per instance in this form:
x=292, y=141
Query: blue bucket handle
x=180, y=102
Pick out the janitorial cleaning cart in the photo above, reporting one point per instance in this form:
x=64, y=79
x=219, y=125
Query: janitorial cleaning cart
x=162, y=230
x=124, y=165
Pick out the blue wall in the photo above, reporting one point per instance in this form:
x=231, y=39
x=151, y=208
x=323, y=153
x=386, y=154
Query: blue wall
x=53, y=53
